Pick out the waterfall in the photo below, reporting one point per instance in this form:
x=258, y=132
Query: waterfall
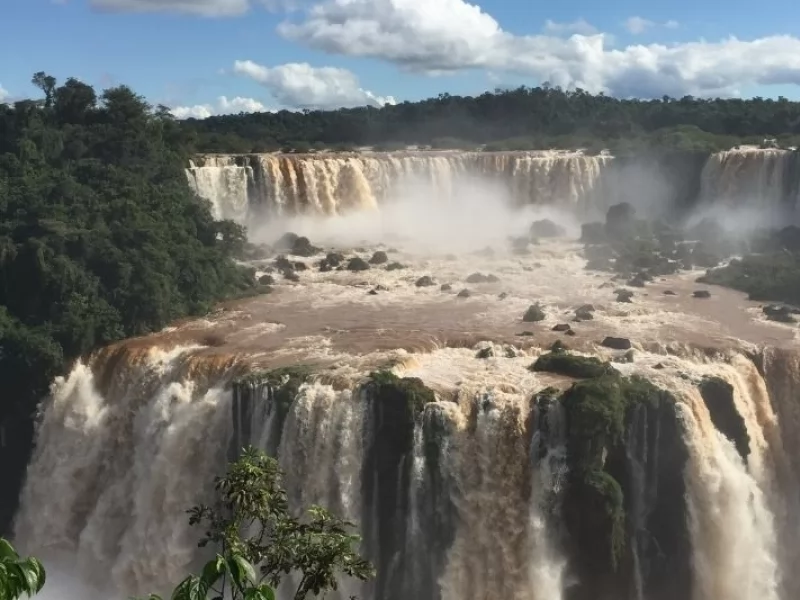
x=764, y=183
x=251, y=188
x=459, y=498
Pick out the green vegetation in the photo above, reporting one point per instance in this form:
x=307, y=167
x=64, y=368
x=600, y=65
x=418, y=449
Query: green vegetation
x=18, y=576
x=560, y=362
x=520, y=119
x=257, y=539
x=388, y=387
x=598, y=410
x=770, y=277
x=100, y=237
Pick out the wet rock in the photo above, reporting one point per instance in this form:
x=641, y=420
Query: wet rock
x=284, y=264
x=659, y=366
x=300, y=266
x=464, y=294
x=701, y=294
x=620, y=219
x=525, y=334
x=357, y=264
x=286, y=242
x=561, y=327
x=395, y=266
x=373, y=292
x=534, y=314
x=302, y=247
x=584, y=313
x=502, y=295
x=779, y=313
x=291, y=275
x=545, y=228
x=639, y=280
x=616, y=343
x=379, y=258
x=558, y=346
x=446, y=287
x=593, y=233
x=789, y=238
x=256, y=251
x=476, y=278
x=669, y=293
x=628, y=357
x=266, y=280
x=624, y=295
x=718, y=396
x=570, y=332
x=484, y=353
x=334, y=258
x=510, y=352
x=519, y=246
x=424, y=281
x=492, y=278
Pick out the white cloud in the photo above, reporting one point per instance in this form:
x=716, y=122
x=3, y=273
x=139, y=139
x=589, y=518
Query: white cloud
x=203, y=8
x=452, y=35
x=3, y=94
x=222, y=107
x=672, y=24
x=637, y=25
x=581, y=26
x=299, y=85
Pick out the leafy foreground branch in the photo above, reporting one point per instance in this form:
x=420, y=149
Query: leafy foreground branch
x=18, y=576
x=259, y=543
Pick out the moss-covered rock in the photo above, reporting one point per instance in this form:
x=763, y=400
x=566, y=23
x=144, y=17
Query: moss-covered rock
x=379, y=258
x=357, y=264
x=580, y=367
x=410, y=390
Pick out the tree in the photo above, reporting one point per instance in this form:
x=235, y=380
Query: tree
x=18, y=576
x=260, y=542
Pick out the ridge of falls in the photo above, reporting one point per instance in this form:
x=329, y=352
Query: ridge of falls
x=464, y=500
x=253, y=188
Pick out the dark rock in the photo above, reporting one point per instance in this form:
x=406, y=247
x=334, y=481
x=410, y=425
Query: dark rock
x=464, y=294
x=593, y=233
x=283, y=264
x=334, y=259
x=570, y=332
x=286, y=242
x=476, y=278
x=485, y=353
x=395, y=266
x=660, y=366
x=669, y=293
x=502, y=295
x=373, y=292
x=357, y=264
x=561, y=327
x=718, y=396
x=638, y=280
x=620, y=219
x=789, y=238
x=534, y=314
x=446, y=287
x=492, y=278
x=545, y=228
x=624, y=296
x=558, y=346
x=424, y=281
x=380, y=257
x=701, y=294
x=704, y=256
x=302, y=247
x=616, y=343
x=525, y=334
x=563, y=363
x=779, y=313
x=300, y=266
x=584, y=313
x=291, y=275
x=266, y=280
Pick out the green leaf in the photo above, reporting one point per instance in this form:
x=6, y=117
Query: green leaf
x=241, y=570
x=7, y=550
x=213, y=570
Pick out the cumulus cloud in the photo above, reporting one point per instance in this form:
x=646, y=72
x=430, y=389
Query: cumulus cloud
x=451, y=35
x=580, y=26
x=637, y=25
x=203, y=8
x=222, y=107
x=299, y=85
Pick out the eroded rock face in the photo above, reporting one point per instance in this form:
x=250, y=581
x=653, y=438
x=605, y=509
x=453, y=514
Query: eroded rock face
x=545, y=228
x=718, y=396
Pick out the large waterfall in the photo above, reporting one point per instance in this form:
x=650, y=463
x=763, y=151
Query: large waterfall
x=672, y=475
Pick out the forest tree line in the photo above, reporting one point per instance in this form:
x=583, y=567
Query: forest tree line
x=101, y=239
x=521, y=119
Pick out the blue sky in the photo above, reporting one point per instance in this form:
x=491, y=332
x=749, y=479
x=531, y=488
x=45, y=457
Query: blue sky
x=212, y=56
